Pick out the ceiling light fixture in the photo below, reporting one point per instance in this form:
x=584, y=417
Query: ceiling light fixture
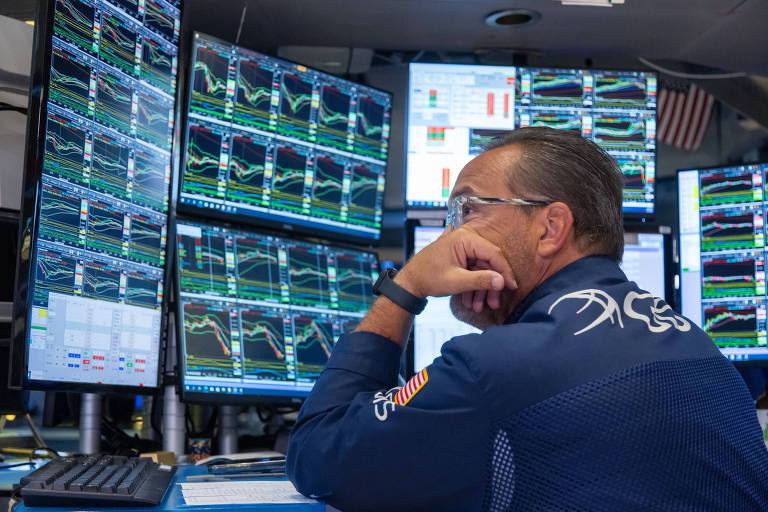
x=512, y=18
x=591, y=3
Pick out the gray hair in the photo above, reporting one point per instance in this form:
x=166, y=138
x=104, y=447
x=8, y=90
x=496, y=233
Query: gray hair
x=561, y=165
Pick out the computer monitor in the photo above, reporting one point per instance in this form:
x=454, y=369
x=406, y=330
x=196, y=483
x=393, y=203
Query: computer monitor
x=92, y=264
x=722, y=256
x=436, y=324
x=259, y=312
x=454, y=110
x=279, y=144
x=645, y=261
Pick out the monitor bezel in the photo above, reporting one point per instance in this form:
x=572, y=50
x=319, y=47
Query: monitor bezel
x=29, y=219
x=257, y=221
x=629, y=217
x=194, y=397
x=761, y=362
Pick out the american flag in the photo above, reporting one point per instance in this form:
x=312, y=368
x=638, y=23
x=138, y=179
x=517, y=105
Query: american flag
x=683, y=115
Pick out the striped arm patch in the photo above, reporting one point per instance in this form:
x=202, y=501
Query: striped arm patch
x=414, y=386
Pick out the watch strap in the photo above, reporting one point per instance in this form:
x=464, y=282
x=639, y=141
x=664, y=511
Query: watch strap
x=387, y=287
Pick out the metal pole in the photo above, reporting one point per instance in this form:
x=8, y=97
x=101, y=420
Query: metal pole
x=173, y=422
x=90, y=423
x=147, y=432
x=227, y=429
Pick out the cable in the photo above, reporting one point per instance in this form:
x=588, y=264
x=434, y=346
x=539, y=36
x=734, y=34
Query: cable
x=692, y=76
x=17, y=464
x=12, y=108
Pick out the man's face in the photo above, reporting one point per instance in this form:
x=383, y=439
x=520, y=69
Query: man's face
x=506, y=226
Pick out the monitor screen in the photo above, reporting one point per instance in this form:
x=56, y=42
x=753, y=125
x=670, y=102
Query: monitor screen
x=259, y=313
x=280, y=144
x=643, y=261
x=96, y=207
x=722, y=256
x=454, y=110
x=436, y=324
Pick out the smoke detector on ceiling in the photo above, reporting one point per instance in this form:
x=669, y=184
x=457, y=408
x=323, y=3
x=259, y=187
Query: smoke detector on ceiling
x=512, y=18
x=592, y=3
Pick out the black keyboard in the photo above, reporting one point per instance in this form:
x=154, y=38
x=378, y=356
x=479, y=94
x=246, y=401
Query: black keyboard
x=100, y=480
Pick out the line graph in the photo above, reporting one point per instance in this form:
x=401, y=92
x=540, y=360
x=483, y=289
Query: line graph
x=363, y=195
x=131, y=7
x=70, y=82
x=258, y=274
x=141, y=290
x=105, y=228
x=634, y=180
x=288, y=180
x=333, y=117
x=64, y=147
x=479, y=138
x=557, y=121
x=370, y=128
x=618, y=91
x=60, y=215
x=731, y=276
x=202, y=263
x=201, y=175
x=308, y=276
x=731, y=326
x=729, y=230
x=101, y=281
x=254, y=95
x=209, y=84
x=208, y=340
x=73, y=22
x=614, y=132
x=263, y=344
x=113, y=103
x=158, y=18
x=314, y=341
x=109, y=167
x=556, y=89
x=55, y=273
x=146, y=240
x=353, y=275
x=149, y=187
x=157, y=65
x=327, y=187
x=154, y=121
x=730, y=187
x=118, y=43
x=295, y=106
x=246, y=171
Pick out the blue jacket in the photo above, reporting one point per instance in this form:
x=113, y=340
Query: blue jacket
x=593, y=396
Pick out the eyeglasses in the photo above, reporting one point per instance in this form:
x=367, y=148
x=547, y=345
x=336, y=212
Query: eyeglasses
x=461, y=206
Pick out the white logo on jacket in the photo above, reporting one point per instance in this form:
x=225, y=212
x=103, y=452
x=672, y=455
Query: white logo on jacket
x=384, y=403
x=660, y=316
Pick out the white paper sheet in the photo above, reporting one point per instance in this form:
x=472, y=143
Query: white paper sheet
x=241, y=492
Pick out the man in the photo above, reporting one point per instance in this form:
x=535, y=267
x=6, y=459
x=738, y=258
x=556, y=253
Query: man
x=582, y=393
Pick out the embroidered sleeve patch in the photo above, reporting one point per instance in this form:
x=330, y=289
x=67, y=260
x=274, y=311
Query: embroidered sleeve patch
x=414, y=386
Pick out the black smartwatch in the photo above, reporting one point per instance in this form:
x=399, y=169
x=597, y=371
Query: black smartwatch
x=387, y=287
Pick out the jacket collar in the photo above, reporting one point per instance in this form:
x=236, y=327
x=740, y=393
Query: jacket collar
x=590, y=269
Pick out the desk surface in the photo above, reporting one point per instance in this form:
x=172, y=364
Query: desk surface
x=175, y=501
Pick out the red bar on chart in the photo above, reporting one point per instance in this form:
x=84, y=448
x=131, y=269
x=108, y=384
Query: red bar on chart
x=506, y=105
x=446, y=182
x=490, y=104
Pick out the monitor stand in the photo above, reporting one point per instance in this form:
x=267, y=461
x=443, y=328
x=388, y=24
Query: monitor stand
x=227, y=429
x=90, y=423
x=173, y=422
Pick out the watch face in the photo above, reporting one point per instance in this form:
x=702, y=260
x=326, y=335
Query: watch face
x=387, y=273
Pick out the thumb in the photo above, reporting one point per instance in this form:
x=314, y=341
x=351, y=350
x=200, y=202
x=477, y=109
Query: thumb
x=467, y=280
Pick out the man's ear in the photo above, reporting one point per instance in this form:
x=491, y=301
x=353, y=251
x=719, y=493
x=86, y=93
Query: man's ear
x=556, y=227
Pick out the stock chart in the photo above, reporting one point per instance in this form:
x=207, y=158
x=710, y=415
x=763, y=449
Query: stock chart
x=732, y=229
x=617, y=91
x=557, y=89
x=208, y=340
x=288, y=302
x=733, y=276
x=732, y=186
x=614, y=132
x=275, y=142
x=104, y=188
x=732, y=325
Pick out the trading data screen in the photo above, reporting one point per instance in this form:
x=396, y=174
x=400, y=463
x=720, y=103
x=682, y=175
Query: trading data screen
x=454, y=110
x=98, y=259
x=722, y=256
x=280, y=142
x=260, y=313
x=643, y=261
x=436, y=324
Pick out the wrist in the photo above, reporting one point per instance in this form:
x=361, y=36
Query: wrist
x=407, y=281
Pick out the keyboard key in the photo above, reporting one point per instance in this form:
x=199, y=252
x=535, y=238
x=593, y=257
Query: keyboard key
x=134, y=478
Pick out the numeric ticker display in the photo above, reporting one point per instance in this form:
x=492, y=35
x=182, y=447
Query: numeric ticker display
x=260, y=312
x=279, y=142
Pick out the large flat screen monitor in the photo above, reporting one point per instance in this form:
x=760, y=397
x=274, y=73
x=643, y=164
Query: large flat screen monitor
x=454, y=110
x=89, y=287
x=722, y=256
x=645, y=261
x=277, y=143
x=259, y=313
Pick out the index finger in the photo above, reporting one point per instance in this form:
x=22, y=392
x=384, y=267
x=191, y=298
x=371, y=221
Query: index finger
x=478, y=248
